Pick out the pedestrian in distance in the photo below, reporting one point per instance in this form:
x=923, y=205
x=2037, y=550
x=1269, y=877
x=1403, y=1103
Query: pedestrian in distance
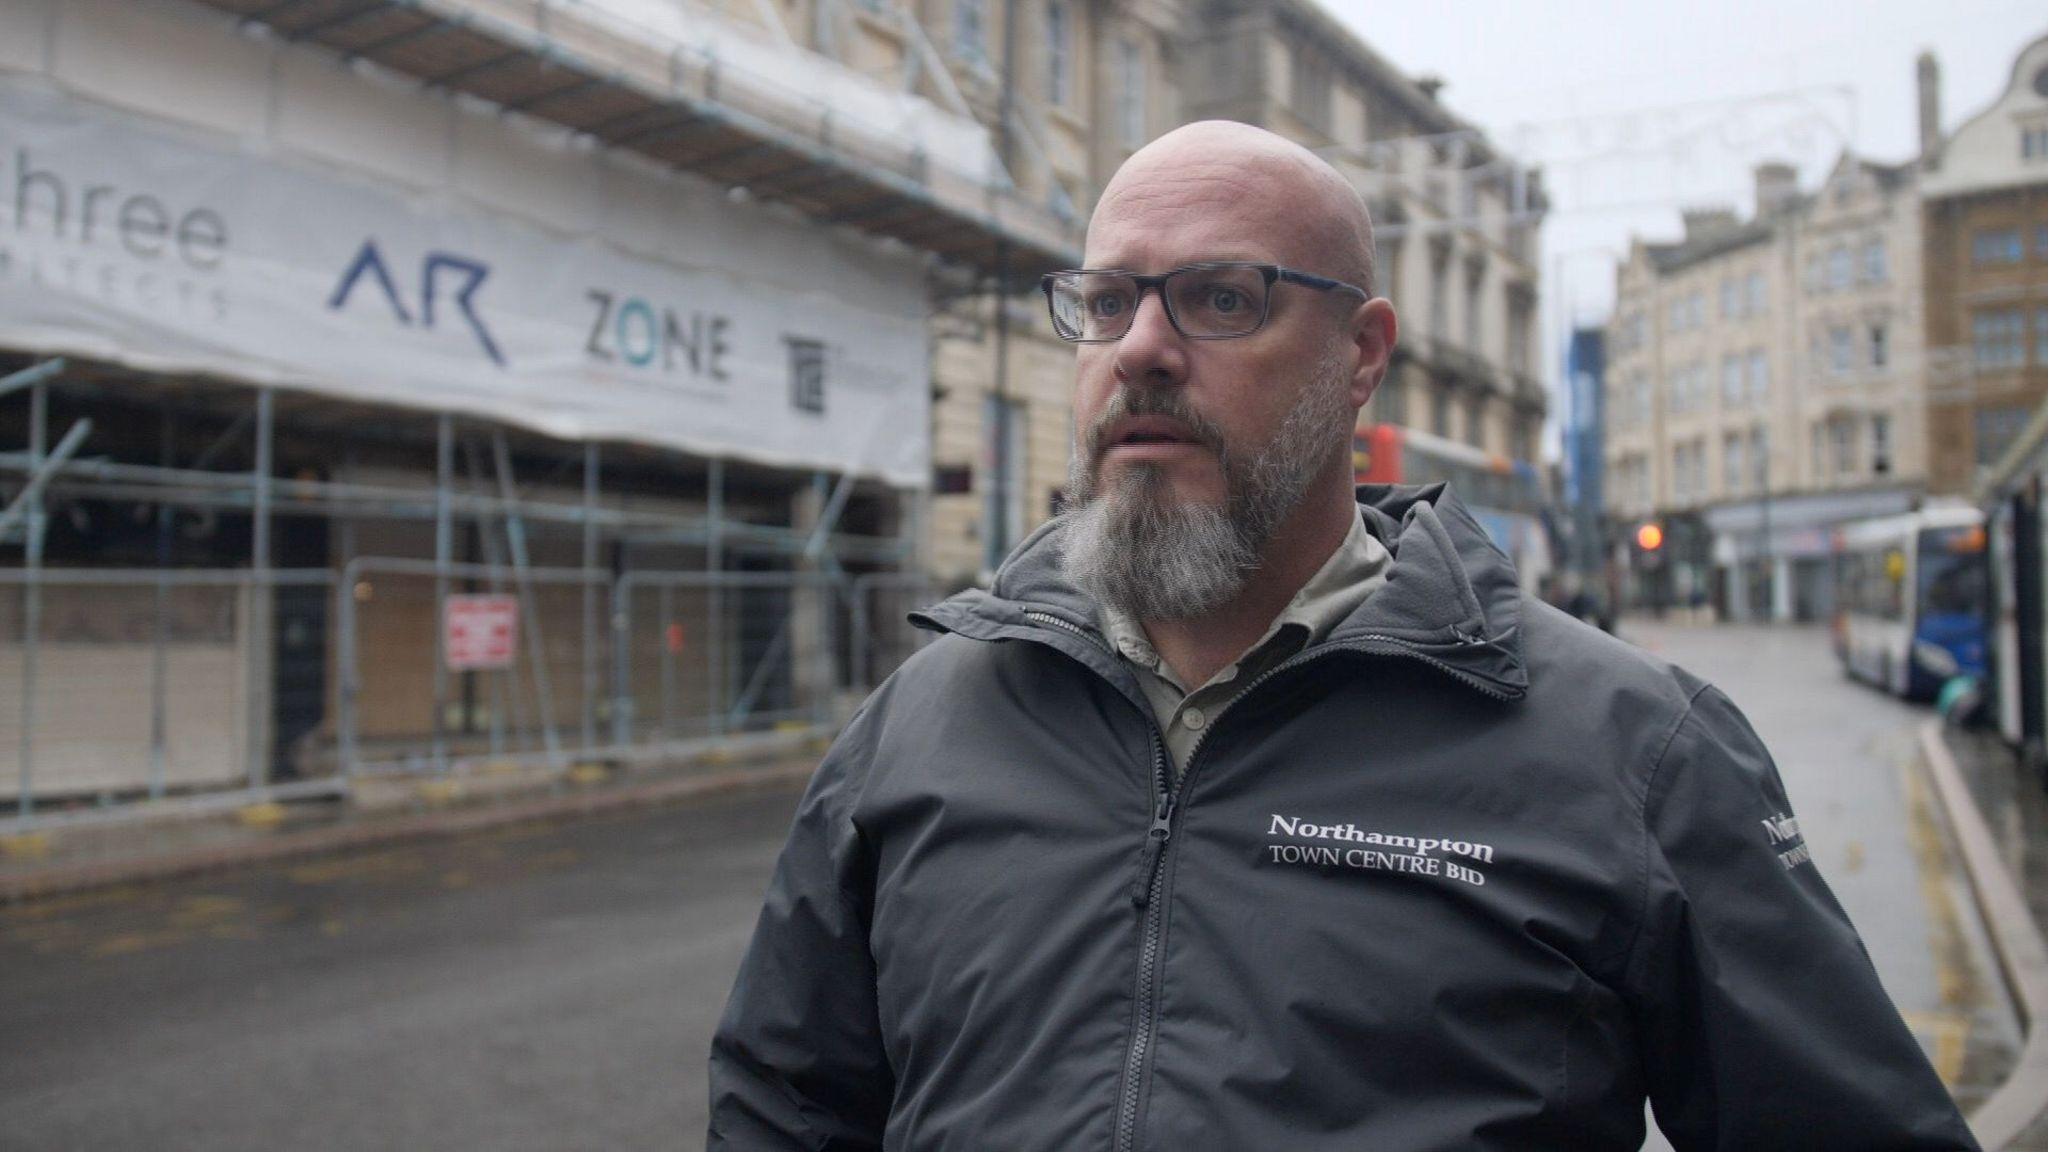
x=1249, y=810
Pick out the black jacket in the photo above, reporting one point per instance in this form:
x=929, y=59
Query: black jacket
x=1467, y=874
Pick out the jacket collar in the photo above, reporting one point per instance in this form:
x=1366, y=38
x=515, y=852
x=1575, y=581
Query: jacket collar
x=1451, y=596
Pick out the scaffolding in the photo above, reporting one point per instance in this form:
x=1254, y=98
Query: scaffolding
x=289, y=631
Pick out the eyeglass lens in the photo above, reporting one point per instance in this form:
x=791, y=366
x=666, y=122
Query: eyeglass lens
x=1225, y=300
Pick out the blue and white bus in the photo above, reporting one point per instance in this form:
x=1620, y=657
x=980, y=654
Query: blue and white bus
x=1910, y=599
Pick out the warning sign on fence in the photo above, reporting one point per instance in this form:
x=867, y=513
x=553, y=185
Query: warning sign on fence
x=481, y=631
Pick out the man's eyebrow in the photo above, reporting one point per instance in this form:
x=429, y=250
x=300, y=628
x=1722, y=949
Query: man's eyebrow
x=1116, y=266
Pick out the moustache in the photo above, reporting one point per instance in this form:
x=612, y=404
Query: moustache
x=1128, y=402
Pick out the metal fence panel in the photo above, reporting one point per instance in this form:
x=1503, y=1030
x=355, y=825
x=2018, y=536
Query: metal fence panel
x=123, y=683
x=149, y=684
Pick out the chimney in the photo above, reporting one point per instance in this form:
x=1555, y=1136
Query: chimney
x=1777, y=189
x=1929, y=74
x=1430, y=85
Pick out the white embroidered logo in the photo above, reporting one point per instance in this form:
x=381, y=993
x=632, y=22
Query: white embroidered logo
x=1377, y=851
x=1784, y=829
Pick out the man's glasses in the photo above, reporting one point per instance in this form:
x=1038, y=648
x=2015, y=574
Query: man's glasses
x=1211, y=301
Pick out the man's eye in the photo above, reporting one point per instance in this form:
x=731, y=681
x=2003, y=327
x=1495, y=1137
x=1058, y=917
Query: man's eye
x=1107, y=304
x=1227, y=300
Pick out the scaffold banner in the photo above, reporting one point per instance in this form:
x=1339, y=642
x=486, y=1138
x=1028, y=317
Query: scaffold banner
x=164, y=248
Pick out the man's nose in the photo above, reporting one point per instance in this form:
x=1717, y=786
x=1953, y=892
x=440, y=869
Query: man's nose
x=1153, y=351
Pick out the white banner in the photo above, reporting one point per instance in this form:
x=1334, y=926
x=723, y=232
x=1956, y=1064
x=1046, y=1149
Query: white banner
x=168, y=250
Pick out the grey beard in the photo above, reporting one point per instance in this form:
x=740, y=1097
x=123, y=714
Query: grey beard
x=1136, y=548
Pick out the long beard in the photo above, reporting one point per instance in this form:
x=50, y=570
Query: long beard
x=1133, y=545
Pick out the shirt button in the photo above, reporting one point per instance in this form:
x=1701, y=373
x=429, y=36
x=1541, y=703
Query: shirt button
x=1193, y=718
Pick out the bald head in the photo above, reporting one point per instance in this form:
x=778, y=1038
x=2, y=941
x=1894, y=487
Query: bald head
x=1302, y=206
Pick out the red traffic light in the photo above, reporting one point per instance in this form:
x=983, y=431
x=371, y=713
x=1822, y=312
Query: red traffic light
x=1649, y=537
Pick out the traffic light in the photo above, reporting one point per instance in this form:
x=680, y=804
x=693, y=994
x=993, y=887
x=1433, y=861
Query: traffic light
x=1650, y=537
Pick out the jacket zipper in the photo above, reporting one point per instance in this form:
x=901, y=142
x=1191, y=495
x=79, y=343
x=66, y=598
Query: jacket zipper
x=1151, y=878
x=1145, y=889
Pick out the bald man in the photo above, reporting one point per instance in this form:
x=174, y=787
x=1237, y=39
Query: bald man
x=1249, y=811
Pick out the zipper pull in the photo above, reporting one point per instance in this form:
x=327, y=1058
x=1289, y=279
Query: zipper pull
x=1155, y=844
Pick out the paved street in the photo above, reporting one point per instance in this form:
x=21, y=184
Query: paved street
x=554, y=987
x=541, y=988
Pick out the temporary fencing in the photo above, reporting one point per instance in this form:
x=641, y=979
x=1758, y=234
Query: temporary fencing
x=133, y=685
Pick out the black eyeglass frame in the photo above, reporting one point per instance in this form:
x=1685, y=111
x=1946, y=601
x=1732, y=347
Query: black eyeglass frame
x=1273, y=273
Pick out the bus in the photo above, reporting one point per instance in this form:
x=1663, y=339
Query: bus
x=1505, y=496
x=1910, y=595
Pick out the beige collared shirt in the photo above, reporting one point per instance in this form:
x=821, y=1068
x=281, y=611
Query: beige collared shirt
x=1353, y=571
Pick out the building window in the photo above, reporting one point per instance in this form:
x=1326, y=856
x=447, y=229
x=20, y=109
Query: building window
x=1475, y=421
x=1874, y=262
x=1681, y=474
x=1756, y=293
x=1440, y=410
x=1059, y=53
x=970, y=30
x=1731, y=381
x=1841, y=349
x=1130, y=116
x=1880, y=444
x=1998, y=338
x=1879, y=346
x=1475, y=284
x=1392, y=399
x=1642, y=398
x=1996, y=246
x=2034, y=143
x=1676, y=385
x=1310, y=88
x=1814, y=452
x=1731, y=462
x=1760, y=459
x=1844, y=434
x=1759, y=377
x=1003, y=503
x=1439, y=289
x=1731, y=299
x=1678, y=314
x=1841, y=268
x=1996, y=429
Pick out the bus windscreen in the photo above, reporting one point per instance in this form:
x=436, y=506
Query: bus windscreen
x=1952, y=572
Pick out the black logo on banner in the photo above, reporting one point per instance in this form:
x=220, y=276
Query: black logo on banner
x=806, y=374
x=434, y=270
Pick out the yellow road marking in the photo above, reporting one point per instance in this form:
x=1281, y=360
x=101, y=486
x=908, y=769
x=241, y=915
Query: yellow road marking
x=1950, y=1032
x=377, y=866
x=1954, y=973
x=25, y=845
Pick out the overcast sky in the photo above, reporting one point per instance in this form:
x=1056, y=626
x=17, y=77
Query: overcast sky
x=1636, y=109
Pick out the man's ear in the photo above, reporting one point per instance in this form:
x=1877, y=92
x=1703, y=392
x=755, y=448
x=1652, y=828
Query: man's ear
x=1374, y=329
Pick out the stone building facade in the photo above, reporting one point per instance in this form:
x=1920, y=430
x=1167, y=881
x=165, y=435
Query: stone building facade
x=1985, y=205
x=1764, y=384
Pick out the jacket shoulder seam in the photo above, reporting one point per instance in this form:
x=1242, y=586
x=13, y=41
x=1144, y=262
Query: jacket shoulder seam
x=1646, y=838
